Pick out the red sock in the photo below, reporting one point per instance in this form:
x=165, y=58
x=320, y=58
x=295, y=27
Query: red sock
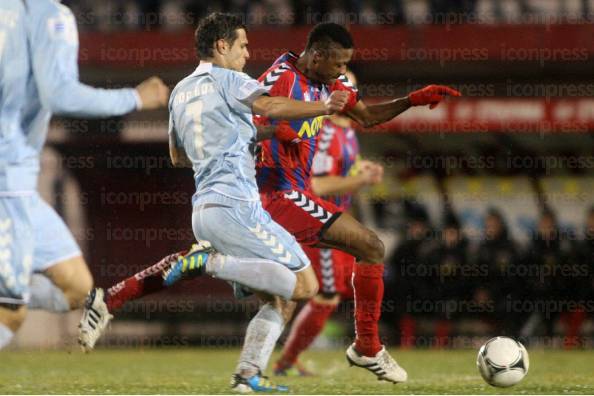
x=407, y=331
x=306, y=327
x=573, y=322
x=368, y=284
x=147, y=281
x=442, y=332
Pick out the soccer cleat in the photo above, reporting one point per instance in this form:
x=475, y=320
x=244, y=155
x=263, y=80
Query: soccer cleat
x=293, y=370
x=256, y=383
x=95, y=319
x=190, y=264
x=382, y=365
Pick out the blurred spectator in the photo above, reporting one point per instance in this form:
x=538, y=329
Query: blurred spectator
x=450, y=287
x=496, y=255
x=408, y=276
x=452, y=10
x=549, y=264
x=153, y=14
x=584, y=288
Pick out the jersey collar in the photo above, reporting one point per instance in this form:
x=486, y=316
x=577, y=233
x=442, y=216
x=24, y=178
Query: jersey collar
x=203, y=68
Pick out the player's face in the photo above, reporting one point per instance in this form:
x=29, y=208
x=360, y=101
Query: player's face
x=327, y=67
x=238, y=53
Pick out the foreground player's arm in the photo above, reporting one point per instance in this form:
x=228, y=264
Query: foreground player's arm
x=279, y=107
x=54, y=46
x=369, y=115
x=178, y=155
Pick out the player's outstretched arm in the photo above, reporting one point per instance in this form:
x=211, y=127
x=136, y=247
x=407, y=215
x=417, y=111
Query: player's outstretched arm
x=280, y=107
x=373, y=114
x=54, y=46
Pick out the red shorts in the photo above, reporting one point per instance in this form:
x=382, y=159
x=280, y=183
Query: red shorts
x=303, y=214
x=334, y=270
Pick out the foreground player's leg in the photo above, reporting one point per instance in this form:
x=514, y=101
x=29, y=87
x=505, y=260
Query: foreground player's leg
x=308, y=324
x=100, y=305
x=256, y=274
x=61, y=287
x=261, y=336
x=348, y=235
x=11, y=318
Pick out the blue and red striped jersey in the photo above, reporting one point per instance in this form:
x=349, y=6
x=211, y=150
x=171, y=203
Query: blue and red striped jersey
x=284, y=165
x=336, y=155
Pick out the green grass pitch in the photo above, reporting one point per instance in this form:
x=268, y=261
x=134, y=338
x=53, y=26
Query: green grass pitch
x=205, y=371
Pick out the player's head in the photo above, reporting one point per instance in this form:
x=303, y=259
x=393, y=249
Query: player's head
x=221, y=38
x=329, y=49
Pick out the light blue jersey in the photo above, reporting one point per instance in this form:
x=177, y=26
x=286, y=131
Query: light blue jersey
x=38, y=77
x=211, y=118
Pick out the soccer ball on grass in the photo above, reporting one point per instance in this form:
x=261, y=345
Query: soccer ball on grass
x=502, y=362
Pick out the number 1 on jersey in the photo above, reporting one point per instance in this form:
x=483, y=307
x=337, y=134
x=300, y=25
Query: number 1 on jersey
x=195, y=111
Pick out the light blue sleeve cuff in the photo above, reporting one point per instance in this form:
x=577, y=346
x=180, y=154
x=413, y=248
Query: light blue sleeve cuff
x=137, y=99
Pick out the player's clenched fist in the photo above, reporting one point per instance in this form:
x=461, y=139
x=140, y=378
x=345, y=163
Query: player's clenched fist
x=431, y=95
x=153, y=93
x=336, y=101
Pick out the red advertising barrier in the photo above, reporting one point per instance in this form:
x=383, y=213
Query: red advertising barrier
x=422, y=43
x=565, y=115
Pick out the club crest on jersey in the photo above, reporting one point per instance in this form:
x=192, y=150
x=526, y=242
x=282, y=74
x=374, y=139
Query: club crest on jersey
x=310, y=128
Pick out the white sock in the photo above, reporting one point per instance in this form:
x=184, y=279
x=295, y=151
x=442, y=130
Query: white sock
x=260, y=338
x=46, y=295
x=5, y=335
x=257, y=274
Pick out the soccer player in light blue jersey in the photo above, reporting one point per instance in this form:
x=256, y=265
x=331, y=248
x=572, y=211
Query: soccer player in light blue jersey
x=41, y=265
x=211, y=125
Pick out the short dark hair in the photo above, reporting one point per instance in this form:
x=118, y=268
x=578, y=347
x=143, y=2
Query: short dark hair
x=216, y=26
x=324, y=34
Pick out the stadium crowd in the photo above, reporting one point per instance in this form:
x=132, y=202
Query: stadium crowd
x=540, y=289
x=178, y=14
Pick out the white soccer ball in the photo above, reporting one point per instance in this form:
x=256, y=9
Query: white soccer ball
x=502, y=362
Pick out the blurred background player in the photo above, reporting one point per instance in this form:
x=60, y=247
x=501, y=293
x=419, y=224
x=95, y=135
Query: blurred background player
x=284, y=178
x=338, y=174
x=41, y=266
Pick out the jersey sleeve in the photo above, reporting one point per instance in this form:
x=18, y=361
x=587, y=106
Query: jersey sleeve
x=279, y=83
x=54, y=48
x=241, y=90
x=343, y=84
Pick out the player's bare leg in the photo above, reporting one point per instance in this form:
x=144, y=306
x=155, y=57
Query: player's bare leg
x=71, y=278
x=350, y=236
x=11, y=318
x=308, y=324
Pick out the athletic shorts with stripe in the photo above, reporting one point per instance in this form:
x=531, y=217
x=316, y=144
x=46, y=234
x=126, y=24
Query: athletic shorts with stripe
x=244, y=229
x=334, y=270
x=33, y=238
x=302, y=213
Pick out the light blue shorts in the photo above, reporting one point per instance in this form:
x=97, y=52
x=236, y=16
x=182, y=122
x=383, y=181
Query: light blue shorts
x=32, y=238
x=244, y=229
